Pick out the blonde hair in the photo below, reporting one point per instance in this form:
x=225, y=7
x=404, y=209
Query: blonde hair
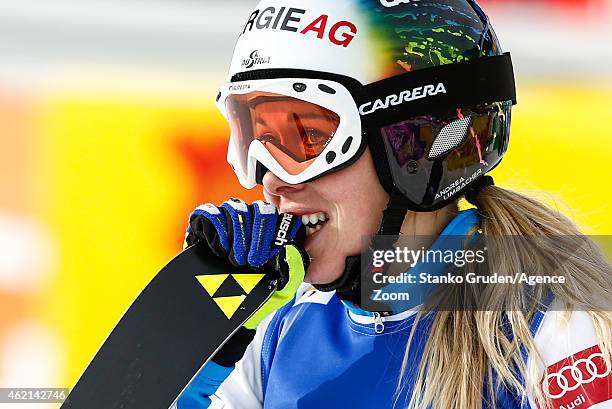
x=465, y=348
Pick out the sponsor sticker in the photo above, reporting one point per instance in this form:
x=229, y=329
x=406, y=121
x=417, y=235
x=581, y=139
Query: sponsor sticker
x=430, y=90
x=579, y=381
x=301, y=21
x=255, y=59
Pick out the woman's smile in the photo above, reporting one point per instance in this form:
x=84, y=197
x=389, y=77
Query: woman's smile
x=338, y=210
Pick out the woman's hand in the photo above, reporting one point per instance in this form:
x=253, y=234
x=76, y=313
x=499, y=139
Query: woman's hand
x=257, y=238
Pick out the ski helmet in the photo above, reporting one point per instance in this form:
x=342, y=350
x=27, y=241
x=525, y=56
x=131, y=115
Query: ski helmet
x=424, y=84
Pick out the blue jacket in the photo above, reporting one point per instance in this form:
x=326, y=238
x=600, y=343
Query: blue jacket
x=319, y=352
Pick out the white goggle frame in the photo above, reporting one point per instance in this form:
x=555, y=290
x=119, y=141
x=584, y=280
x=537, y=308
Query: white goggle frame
x=331, y=95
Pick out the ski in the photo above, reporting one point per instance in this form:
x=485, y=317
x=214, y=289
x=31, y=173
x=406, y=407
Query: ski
x=176, y=325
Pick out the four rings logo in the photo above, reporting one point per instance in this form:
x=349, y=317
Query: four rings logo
x=255, y=59
x=576, y=373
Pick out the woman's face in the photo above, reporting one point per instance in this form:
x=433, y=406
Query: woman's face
x=338, y=209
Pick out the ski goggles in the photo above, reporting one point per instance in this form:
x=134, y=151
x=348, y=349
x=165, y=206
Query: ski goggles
x=299, y=129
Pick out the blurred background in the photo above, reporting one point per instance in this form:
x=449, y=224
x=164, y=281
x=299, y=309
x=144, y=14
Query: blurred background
x=109, y=137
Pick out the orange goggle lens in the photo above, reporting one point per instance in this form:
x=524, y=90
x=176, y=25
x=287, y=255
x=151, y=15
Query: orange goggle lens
x=295, y=132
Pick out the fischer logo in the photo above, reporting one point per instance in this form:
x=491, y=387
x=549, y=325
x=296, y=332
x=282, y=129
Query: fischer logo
x=404, y=96
x=291, y=19
x=283, y=230
x=255, y=59
x=393, y=3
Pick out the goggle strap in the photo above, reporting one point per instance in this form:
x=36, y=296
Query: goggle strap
x=446, y=87
x=260, y=172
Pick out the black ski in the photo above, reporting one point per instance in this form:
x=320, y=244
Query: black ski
x=178, y=322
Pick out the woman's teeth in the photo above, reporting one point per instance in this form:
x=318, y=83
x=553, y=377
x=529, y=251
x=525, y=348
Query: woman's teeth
x=314, y=222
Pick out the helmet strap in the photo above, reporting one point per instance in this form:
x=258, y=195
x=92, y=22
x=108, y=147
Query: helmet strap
x=348, y=286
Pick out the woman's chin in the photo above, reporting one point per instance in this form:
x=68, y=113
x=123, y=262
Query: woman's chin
x=322, y=273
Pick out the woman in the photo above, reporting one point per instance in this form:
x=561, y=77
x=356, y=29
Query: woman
x=376, y=116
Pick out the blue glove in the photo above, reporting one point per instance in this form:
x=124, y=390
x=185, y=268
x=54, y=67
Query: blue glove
x=257, y=238
x=245, y=235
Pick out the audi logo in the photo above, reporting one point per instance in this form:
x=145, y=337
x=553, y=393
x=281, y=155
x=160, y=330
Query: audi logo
x=570, y=377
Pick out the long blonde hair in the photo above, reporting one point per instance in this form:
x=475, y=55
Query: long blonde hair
x=465, y=348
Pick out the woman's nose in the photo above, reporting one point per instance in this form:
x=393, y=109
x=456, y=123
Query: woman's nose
x=275, y=186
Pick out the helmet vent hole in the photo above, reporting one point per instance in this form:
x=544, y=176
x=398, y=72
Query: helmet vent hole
x=451, y=136
x=347, y=144
x=330, y=157
x=218, y=97
x=327, y=89
x=299, y=87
